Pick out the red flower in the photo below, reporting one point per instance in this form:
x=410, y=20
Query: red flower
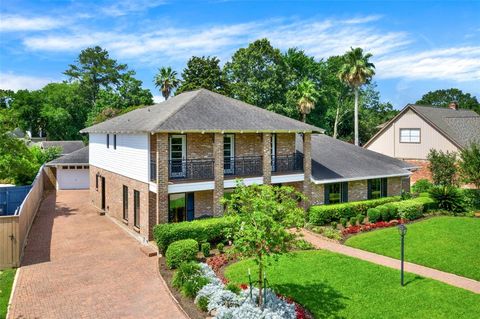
x=243, y=286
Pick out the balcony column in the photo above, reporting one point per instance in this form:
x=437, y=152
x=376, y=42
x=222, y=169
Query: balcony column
x=218, y=173
x=307, y=168
x=162, y=178
x=267, y=158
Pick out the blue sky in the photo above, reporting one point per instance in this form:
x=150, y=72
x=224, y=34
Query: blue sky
x=417, y=45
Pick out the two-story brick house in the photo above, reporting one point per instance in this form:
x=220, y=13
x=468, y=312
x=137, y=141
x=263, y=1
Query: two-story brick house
x=174, y=161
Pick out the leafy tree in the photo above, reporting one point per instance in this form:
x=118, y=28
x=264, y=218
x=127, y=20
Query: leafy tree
x=27, y=106
x=441, y=98
x=442, y=166
x=356, y=71
x=166, y=80
x=203, y=72
x=308, y=97
x=469, y=164
x=258, y=75
x=95, y=70
x=263, y=214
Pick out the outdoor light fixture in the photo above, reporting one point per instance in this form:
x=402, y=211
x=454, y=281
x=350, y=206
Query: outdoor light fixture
x=402, y=230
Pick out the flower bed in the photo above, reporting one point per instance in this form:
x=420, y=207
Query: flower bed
x=369, y=226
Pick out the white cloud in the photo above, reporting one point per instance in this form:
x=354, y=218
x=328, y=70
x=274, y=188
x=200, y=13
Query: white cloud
x=158, y=98
x=11, y=81
x=11, y=23
x=123, y=7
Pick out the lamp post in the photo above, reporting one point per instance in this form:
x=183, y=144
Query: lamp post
x=402, y=230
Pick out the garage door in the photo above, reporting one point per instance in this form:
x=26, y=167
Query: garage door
x=73, y=178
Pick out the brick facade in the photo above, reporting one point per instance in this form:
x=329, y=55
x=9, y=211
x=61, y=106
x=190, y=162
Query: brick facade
x=199, y=146
x=318, y=194
x=406, y=184
x=218, y=174
x=357, y=190
x=394, y=186
x=203, y=203
x=162, y=177
x=114, y=198
x=267, y=158
x=421, y=172
x=285, y=144
x=307, y=167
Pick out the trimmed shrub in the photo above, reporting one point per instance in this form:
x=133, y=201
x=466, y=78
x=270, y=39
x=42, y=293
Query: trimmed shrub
x=360, y=218
x=211, y=230
x=422, y=186
x=324, y=214
x=343, y=221
x=374, y=215
x=181, y=251
x=334, y=225
x=220, y=247
x=205, y=248
x=353, y=221
x=413, y=208
x=384, y=213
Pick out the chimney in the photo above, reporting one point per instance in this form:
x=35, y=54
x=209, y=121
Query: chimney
x=453, y=105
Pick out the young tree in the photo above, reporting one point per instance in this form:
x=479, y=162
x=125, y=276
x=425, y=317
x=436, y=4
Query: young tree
x=203, y=72
x=308, y=97
x=166, y=80
x=442, y=98
x=263, y=215
x=469, y=164
x=94, y=70
x=442, y=166
x=356, y=71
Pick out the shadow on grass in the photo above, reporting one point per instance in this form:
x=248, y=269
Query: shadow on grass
x=412, y=280
x=322, y=300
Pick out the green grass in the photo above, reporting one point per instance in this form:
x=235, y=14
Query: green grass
x=446, y=243
x=6, y=282
x=337, y=286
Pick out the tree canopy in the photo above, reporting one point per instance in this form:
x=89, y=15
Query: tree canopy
x=441, y=98
x=203, y=72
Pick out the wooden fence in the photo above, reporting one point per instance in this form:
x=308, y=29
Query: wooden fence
x=14, y=229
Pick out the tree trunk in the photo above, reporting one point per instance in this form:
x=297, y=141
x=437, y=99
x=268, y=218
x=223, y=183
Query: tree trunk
x=356, y=116
x=335, y=125
x=260, y=284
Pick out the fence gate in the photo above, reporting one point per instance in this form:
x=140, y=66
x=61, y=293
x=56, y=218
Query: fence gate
x=9, y=242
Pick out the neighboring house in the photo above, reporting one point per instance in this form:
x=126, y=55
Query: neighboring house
x=343, y=172
x=175, y=161
x=417, y=129
x=70, y=171
x=66, y=146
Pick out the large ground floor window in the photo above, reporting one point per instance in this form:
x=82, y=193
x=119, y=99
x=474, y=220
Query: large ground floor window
x=377, y=188
x=336, y=193
x=180, y=207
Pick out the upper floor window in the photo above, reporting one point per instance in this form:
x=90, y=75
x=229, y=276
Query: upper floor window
x=108, y=140
x=114, y=141
x=229, y=153
x=409, y=135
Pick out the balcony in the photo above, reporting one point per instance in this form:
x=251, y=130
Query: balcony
x=191, y=169
x=287, y=163
x=243, y=166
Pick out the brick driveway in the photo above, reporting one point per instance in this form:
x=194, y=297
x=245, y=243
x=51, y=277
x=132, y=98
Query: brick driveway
x=78, y=264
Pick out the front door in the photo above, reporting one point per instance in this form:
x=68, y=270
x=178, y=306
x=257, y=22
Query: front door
x=177, y=156
x=228, y=154
x=103, y=193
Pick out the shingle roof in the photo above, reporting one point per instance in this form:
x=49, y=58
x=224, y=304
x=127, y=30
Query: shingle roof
x=67, y=146
x=77, y=157
x=200, y=110
x=461, y=126
x=334, y=160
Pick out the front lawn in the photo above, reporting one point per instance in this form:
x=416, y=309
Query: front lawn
x=6, y=282
x=337, y=286
x=446, y=243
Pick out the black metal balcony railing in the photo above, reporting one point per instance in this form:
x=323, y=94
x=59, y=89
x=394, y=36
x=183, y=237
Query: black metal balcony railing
x=191, y=169
x=243, y=166
x=287, y=163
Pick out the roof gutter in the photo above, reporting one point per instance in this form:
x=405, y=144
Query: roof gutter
x=352, y=179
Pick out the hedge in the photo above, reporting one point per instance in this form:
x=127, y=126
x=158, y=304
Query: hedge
x=211, y=230
x=325, y=214
x=181, y=251
x=413, y=208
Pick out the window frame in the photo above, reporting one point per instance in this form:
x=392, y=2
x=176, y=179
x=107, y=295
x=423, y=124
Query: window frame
x=108, y=140
x=125, y=203
x=230, y=159
x=136, y=208
x=410, y=135
x=114, y=141
x=343, y=193
x=383, y=183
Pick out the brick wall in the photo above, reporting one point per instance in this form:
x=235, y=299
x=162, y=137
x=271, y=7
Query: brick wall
x=162, y=178
x=285, y=144
x=406, y=184
x=357, y=190
x=307, y=168
x=422, y=172
x=203, y=203
x=199, y=146
x=318, y=194
x=267, y=158
x=394, y=186
x=114, y=198
x=218, y=174
x=248, y=144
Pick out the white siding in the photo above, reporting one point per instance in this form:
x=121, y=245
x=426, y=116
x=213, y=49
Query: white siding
x=388, y=142
x=130, y=159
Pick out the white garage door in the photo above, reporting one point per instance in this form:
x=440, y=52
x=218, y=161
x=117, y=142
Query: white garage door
x=73, y=178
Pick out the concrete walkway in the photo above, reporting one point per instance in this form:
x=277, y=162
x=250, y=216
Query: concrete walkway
x=451, y=279
x=78, y=264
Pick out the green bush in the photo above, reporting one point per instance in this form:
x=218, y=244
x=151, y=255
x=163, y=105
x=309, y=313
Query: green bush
x=334, y=225
x=324, y=214
x=471, y=198
x=360, y=218
x=422, y=186
x=205, y=248
x=374, y=215
x=413, y=208
x=343, y=221
x=220, y=247
x=384, y=212
x=211, y=230
x=233, y=288
x=448, y=198
x=302, y=244
x=332, y=233
x=181, y=251
x=188, y=279
x=203, y=303
x=353, y=221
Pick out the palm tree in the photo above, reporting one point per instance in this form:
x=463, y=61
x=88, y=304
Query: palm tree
x=308, y=97
x=356, y=71
x=166, y=80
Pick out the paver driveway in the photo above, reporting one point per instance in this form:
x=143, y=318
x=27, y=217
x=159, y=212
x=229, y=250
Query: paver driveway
x=79, y=264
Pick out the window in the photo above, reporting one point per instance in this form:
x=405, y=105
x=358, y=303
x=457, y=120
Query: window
x=79, y=167
x=273, y=148
x=96, y=182
x=64, y=167
x=114, y=141
x=336, y=193
x=377, y=188
x=125, y=202
x=177, y=156
x=136, y=209
x=108, y=140
x=228, y=153
x=409, y=135
x=177, y=210
x=71, y=167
